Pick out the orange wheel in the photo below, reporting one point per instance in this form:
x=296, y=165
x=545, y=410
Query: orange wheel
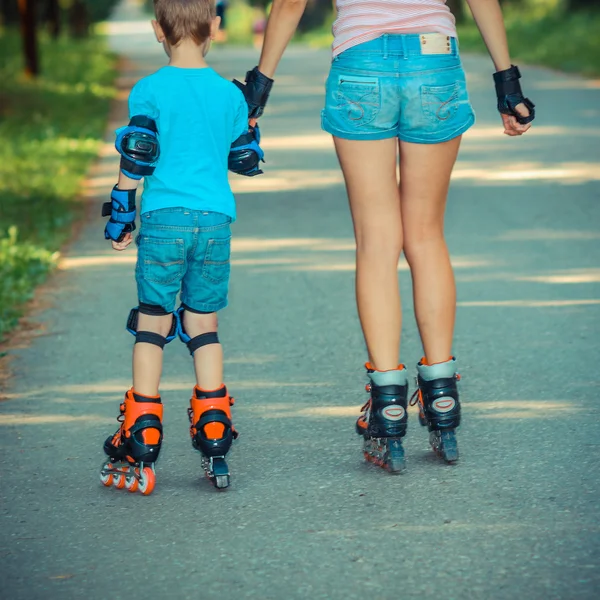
x=106, y=480
x=119, y=480
x=147, y=481
x=131, y=482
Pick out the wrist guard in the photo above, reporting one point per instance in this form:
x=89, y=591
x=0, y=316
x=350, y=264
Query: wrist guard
x=121, y=210
x=246, y=154
x=137, y=143
x=508, y=90
x=256, y=91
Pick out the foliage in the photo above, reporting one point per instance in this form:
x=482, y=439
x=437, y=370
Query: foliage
x=50, y=131
x=547, y=34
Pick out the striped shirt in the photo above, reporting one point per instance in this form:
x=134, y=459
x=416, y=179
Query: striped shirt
x=361, y=21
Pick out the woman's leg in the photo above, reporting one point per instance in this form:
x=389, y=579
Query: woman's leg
x=369, y=169
x=425, y=171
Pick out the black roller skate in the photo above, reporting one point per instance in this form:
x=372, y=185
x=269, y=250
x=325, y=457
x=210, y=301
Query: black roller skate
x=212, y=432
x=439, y=406
x=384, y=417
x=135, y=447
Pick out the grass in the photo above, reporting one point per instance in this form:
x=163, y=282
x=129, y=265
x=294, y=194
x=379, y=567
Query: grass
x=540, y=33
x=50, y=132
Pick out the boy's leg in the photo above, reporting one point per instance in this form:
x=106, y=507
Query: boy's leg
x=147, y=357
x=208, y=359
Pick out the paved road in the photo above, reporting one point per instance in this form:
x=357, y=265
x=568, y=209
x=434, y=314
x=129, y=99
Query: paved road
x=305, y=518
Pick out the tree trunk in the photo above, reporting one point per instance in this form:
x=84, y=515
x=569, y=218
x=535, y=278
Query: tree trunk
x=458, y=9
x=53, y=18
x=79, y=19
x=29, y=36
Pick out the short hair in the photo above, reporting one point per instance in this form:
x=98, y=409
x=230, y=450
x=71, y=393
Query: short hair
x=182, y=19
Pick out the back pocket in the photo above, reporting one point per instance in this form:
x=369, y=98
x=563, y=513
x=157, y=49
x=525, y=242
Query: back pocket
x=359, y=99
x=161, y=260
x=440, y=102
x=217, y=260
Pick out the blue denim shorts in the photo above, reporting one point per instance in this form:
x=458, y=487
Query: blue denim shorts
x=410, y=86
x=187, y=251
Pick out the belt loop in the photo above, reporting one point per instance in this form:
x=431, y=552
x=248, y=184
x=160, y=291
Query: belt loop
x=403, y=39
x=385, y=46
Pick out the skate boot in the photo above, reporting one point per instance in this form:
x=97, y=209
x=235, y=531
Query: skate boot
x=383, y=420
x=439, y=406
x=135, y=447
x=212, y=431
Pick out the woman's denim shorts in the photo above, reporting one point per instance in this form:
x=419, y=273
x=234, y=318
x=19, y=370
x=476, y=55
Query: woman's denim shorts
x=187, y=251
x=410, y=86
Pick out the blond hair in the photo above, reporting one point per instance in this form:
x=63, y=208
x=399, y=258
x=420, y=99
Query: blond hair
x=183, y=19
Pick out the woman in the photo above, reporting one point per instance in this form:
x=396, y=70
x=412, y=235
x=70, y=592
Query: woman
x=397, y=86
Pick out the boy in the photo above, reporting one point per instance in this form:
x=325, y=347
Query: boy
x=187, y=126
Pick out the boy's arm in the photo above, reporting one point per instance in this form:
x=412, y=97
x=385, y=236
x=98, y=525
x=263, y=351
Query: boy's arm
x=138, y=145
x=245, y=154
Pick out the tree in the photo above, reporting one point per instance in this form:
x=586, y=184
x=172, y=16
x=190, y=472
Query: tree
x=53, y=17
x=29, y=37
x=458, y=9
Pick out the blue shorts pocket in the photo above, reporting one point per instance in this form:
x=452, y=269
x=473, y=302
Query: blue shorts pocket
x=217, y=260
x=440, y=102
x=358, y=99
x=161, y=260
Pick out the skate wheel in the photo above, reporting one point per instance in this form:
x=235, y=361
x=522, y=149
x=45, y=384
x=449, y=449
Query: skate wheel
x=119, y=481
x=449, y=447
x=222, y=482
x=131, y=482
x=106, y=479
x=147, y=481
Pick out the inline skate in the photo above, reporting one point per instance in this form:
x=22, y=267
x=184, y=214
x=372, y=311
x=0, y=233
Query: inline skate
x=134, y=448
x=439, y=406
x=212, y=432
x=383, y=421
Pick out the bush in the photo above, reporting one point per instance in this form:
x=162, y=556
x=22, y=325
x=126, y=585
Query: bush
x=50, y=132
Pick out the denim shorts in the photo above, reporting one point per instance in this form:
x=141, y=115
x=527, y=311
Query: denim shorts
x=410, y=86
x=187, y=251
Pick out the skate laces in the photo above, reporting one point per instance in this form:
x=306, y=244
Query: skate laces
x=416, y=397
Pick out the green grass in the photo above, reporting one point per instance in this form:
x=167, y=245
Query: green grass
x=50, y=132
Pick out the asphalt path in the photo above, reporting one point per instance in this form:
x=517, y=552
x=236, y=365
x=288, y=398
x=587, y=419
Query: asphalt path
x=305, y=517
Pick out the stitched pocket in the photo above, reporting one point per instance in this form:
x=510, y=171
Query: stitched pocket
x=358, y=99
x=440, y=102
x=217, y=260
x=162, y=260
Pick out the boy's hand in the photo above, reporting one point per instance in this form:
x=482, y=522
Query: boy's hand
x=124, y=243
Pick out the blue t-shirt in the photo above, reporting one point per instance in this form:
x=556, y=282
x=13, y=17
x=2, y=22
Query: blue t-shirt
x=199, y=115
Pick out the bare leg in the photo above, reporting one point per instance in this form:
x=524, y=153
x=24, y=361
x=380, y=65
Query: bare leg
x=425, y=171
x=208, y=360
x=369, y=169
x=148, y=358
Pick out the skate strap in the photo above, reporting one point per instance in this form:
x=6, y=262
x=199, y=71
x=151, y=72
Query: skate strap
x=147, y=424
x=415, y=397
x=213, y=416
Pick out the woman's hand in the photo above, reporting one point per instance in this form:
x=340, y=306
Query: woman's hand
x=511, y=126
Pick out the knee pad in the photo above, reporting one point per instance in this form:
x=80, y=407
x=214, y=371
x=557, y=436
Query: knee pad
x=193, y=343
x=137, y=143
x=150, y=337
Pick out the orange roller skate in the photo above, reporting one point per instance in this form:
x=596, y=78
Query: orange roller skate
x=212, y=431
x=135, y=447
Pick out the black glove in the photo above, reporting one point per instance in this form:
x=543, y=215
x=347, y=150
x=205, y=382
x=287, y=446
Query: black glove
x=508, y=90
x=256, y=91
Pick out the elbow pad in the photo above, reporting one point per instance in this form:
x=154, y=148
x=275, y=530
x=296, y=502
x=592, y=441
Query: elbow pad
x=246, y=154
x=137, y=143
